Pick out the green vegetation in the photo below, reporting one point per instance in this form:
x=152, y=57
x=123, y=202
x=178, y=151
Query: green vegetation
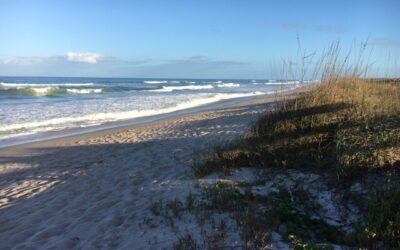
x=381, y=226
x=346, y=128
x=300, y=226
x=349, y=126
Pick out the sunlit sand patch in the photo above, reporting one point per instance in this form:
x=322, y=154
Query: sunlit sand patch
x=8, y=168
x=25, y=189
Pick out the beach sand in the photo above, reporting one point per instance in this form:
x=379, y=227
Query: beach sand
x=97, y=190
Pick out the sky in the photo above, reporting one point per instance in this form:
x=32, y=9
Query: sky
x=188, y=39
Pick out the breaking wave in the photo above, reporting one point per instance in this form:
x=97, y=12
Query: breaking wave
x=46, y=91
x=85, y=91
x=187, y=87
x=30, y=91
x=272, y=82
x=155, y=82
x=195, y=87
x=228, y=85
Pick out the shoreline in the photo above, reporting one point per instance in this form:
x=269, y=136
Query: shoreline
x=110, y=126
x=66, y=136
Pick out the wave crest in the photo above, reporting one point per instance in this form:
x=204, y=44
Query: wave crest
x=155, y=82
x=85, y=91
x=188, y=87
x=40, y=91
x=46, y=91
x=228, y=85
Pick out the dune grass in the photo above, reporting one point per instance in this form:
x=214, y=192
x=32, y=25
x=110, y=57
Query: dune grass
x=346, y=129
x=381, y=227
x=349, y=127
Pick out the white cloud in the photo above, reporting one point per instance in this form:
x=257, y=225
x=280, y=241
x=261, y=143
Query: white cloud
x=83, y=57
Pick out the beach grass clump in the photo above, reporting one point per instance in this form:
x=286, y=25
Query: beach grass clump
x=289, y=214
x=292, y=216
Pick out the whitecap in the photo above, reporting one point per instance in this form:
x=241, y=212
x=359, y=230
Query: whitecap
x=228, y=85
x=187, y=87
x=282, y=83
x=155, y=82
x=84, y=91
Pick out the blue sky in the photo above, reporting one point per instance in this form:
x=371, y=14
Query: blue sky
x=187, y=39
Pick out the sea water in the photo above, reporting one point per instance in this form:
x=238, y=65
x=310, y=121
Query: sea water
x=31, y=106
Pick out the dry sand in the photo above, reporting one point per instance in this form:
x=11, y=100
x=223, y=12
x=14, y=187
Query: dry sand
x=96, y=190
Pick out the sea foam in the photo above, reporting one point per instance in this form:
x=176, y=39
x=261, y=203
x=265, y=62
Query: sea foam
x=96, y=118
x=187, y=87
x=228, y=85
x=155, y=82
x=85, y=91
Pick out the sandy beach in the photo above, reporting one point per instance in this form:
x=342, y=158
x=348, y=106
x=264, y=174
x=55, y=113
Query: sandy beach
x=95, y=190
x=191, y=125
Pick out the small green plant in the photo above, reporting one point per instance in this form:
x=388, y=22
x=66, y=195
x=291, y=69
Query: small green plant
x=299, y=225
x=381, y=227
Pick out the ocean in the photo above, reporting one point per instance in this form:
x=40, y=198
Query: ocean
x=34, y=106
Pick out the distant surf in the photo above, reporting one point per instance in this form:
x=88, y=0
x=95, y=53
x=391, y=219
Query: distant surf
x=16, y=85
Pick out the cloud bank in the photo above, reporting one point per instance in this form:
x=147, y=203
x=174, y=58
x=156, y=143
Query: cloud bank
x=87, y=57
